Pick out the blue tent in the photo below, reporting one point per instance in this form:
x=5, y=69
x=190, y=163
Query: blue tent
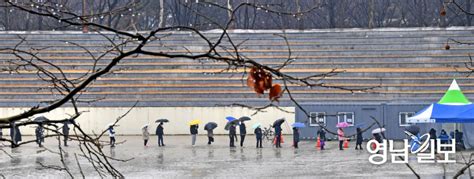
x=454, y=107
x=444, y=113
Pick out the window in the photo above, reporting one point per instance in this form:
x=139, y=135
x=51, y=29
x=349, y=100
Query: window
x=402, y=118
x=346, y=117
x=317, y=118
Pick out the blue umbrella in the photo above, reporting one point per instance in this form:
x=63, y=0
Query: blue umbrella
x=298, y=125
x=230, y=118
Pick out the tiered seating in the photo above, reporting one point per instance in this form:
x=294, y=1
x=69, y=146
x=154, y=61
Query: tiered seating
x=409, y=65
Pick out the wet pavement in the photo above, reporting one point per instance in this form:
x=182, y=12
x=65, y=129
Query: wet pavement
x=180, y=160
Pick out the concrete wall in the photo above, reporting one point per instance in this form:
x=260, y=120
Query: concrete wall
x=97, y=118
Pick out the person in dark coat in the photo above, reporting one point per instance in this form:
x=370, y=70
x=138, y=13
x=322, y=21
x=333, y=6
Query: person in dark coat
x=112, y=136
x=458, y=136
x=278, y=136
x=433, y=137
x=39, y=135
x=232, y=135
x=296, y=137
x=14, y=134
x=210, y=136
x=359, y=139
x=17, y=134
x=194, y=131
x=243, y=132
x=322, y=138
x=378, y=137
x=65, y=132
x=160, y=133
x=259, y=136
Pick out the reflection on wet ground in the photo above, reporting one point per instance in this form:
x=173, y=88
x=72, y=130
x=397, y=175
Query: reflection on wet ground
x=178, y=159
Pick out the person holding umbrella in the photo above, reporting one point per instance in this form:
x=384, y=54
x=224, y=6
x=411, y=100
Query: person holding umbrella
x=378, y=134
x=193, y=129
x=340, y=136
x=258, y=135
x=66, y=132
x=322, y=138
x=209, y=127
x=160, y=132
x=39, y=131
x=230, y=119
x=39, y=135
x=243, y=132
x=359, y=139
x=145, y=134
x=296, y=133
x=112, y=135
x=15, y=134
x=296, y=137
x=232, y=134
x=277, y=126
x=340, y=133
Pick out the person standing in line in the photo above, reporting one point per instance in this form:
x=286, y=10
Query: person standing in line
x=359, y=139
x=15, y=134
x=210, y=136
x=112, y=136
x=232, y=135
x=296, y=137
x=194, y=132
x=160, y=133
x=278, y=136
x=340, y=136
x=243, y=132
x=145, y=134
x=434, y=137
x=39, y=135
x=322, y=138
x=258, y=135
x=65, y=132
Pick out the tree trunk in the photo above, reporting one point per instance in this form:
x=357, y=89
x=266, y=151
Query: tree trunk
x=6, y=19
x=85, y=29
x=468, y=9
x=331, y=14
x=229, y=13
x=371, y=14
x=162, y=14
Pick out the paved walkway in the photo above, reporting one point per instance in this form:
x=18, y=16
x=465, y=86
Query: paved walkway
x=178, y=159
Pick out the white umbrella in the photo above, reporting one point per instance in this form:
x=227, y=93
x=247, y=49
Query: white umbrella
x=111, y=124
x=146, y=125
x=378, y=130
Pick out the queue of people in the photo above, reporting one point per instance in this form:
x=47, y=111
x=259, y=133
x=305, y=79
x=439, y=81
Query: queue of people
x=321, y=135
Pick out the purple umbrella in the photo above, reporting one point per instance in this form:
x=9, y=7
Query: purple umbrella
x=342, y=125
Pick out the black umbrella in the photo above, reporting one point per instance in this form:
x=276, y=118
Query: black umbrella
x=244, y=118
x=162, y=120
x=41, y=119
x=210, y=126
x=278, y=122
x=227, y=126
x=413, y=129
